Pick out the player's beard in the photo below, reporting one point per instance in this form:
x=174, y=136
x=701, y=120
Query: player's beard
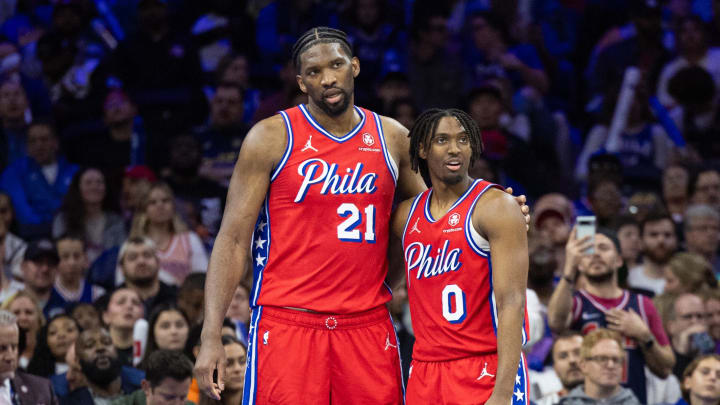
x=335, y=110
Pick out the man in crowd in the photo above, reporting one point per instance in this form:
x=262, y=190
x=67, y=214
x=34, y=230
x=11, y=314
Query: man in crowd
x=705, y=187
x=13, y=109
x=687, y=329
x=602, y=359
x=659, y=243
x=140, y=267
x=566, y=363
x=39, y=269
x=601, y=303
x=167, y=381
x=702, y=232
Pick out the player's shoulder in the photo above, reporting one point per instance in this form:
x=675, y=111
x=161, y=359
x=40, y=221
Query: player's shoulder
x=269, y=132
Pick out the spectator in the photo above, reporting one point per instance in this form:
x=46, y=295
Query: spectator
x=53, y=342
x=404, y=111
x=235, y=68
x=675, y=180
x=168, y=374
x=87, y=211
x=191, y=297
x=239, y=310
x=659, y=243
x=628, y=232
x=70, y=284
x=712, y=308
x=553, y=218
x=21, y=387
x=14, y=114
x=702, y=233
x=601, y=303
x=566, y=362
x=135, y=184
x=180, y=251
x=222, y=136
x=140, y=267
x=86, y=315
x=234, y=381
x=701, y=382
x=168, y=330
x=200, y=201
x=8, y=284
x=101, y=365
x=602, y=359
x=29, y=319
x=124, y=307
x=38, y=181
x=394, y=86
x=39, y=269
x=13, y=248
x=688, y=331
x=705, y=187
x=605, y=200
x=689, y=272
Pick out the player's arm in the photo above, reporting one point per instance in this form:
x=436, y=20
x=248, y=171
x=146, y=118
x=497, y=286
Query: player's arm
x=498, y=218
x=262, y=148
x=396, y=257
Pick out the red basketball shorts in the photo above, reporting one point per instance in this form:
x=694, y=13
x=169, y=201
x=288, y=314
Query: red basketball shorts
x=297, y=357
x=464, y=381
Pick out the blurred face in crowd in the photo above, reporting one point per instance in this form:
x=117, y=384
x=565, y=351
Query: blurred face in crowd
x=98, y=357
x=367, y=13
x=133, y=191
x=235, y=367
x=26, y=312
x=9, y=338
x=13, y=102
x=675, y=182
x=600, y=266
x=689, y=311
x=239, y=309
x=566, y=361
x=73, y=260
x=124, y=308
x=238, y=72
x=481, y=169
x=92, y=187
x=140, y=264
x=226, y=107
x=405, y=114
x=168, y=392
x=484, y=36
x=118, y=110
x=672, y=283
x=702, y=235
x=437, y=32
x=392, y=90
x=159, y=206
x=712, y=308
x=707, y=189
x=152, y=15
x=192, y=302
x=42, y=145
x=39, y=275
x=704, y=382
x=327, y=75
x=486, y=110
x=555, y=229
x=6, y=213
x=630, y=244
x=62, y=333
x=659, y=240
x=604, y=367
x=86, y=316
x=171, y=330
x=606, y=200
x=185, y=155
x=67, y=19
x=691, y=38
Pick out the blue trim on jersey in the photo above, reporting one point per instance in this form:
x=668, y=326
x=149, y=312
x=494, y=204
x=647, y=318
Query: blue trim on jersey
x=428, y=215
x=323, y=131
x=397, y=343
x=251, y=372
x=386, y=153
x=260, y=233
x=491, y=297
x=468, y=223
x=288, y=147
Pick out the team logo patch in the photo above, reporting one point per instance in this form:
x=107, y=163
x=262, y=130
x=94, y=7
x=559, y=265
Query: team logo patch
x=454, y=219
x=368, y=139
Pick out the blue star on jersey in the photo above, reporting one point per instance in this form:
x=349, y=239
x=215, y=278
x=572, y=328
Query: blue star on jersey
x=260, y=247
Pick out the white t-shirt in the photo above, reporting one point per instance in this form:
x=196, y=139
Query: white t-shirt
x=638, y=279
x=50, y=172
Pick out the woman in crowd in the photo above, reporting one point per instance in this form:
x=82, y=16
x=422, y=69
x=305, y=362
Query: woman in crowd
x=53, y=342
x=29, y=318
x=168, y=329
x=701, y=381
x=123, y=308
x=180, y=251
x=86, y=315
x=12, y=246
x=87, y=210
x=689, y=272
x=235, y=357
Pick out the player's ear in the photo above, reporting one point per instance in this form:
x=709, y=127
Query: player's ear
x=422, y=152
x=300, y=83
x=355, y=63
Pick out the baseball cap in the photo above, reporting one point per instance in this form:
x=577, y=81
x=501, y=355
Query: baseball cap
x=41, y=249
x=553, y=205
x=140, y=172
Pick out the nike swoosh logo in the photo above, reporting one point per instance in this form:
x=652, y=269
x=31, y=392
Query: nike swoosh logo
x=590, y=316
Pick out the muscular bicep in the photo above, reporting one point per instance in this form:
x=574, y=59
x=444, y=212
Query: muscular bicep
x=410, y=183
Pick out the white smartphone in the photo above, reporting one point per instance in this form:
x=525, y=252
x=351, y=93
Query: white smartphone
x=586, y=227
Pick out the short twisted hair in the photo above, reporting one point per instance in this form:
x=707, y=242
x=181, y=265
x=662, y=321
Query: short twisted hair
x=319, y=35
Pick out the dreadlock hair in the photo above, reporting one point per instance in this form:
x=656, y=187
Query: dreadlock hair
x=319, y=35
x=424, y=129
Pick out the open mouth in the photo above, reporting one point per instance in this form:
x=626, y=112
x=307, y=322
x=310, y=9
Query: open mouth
x=453, y=164
x=333, y=96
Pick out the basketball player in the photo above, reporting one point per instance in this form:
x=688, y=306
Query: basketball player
x=466, y=261
x=310, y=200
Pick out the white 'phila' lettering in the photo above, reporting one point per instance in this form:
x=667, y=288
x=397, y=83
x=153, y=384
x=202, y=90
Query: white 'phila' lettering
x=417, y=256
x=317, y=171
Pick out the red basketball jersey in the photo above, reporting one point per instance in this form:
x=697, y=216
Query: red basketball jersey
x=449, y=280
x=321, y=239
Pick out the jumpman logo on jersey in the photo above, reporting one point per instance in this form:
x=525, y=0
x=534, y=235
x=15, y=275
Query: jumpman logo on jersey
x=389, y=344
x=484, y=373
x=415, y=228
x=308, y=145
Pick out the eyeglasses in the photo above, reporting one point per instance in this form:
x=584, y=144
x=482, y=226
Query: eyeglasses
x=615, y=360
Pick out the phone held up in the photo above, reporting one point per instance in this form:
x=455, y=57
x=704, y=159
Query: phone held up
x=586, y=227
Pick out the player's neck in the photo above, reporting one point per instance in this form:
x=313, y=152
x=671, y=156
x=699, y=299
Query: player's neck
x=445, y=194
x=338, y=125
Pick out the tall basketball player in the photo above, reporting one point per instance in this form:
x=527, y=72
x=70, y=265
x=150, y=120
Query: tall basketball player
x=466, y=261
x=310, y=200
